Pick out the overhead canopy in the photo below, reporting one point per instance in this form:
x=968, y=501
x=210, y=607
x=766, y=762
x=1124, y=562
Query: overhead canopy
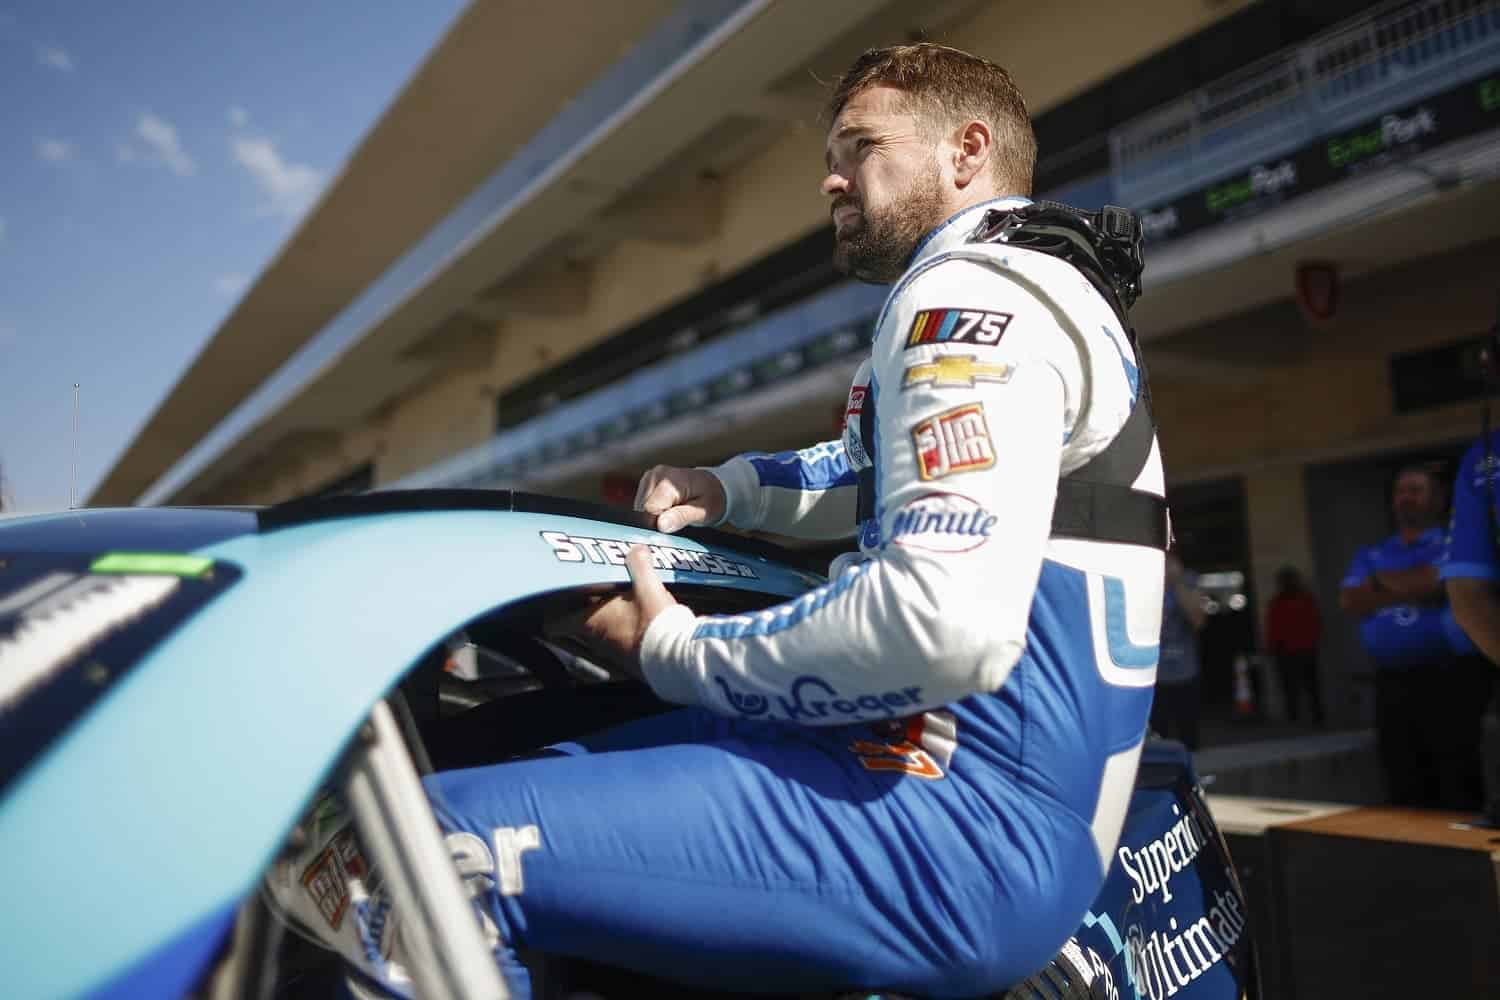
x=530, y=128
x=500, y=74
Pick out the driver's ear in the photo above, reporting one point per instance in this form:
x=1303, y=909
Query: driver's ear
x=974, y=145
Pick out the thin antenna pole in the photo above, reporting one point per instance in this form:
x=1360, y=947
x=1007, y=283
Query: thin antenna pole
x=73, y=472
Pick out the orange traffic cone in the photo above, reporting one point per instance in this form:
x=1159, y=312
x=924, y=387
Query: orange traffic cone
x=1244, y=692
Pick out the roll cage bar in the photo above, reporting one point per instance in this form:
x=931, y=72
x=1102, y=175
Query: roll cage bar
x=380, y=785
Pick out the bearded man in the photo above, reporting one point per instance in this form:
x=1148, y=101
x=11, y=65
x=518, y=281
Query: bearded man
x=912, y=778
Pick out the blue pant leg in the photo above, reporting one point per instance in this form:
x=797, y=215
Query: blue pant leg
x=762, y=850
x=682, y=725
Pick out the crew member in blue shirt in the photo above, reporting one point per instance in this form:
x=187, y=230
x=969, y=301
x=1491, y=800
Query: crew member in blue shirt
x=1426, y=675
x=1177, y=701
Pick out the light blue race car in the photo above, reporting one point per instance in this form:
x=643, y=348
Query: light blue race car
x=186, y=692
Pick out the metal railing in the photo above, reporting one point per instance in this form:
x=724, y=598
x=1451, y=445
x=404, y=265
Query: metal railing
x=1393, y=55
x=831, y=326
x=1396, y=54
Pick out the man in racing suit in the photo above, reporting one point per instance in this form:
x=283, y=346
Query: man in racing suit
x=914, y=776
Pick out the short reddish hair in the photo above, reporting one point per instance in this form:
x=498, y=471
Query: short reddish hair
x=945, y=86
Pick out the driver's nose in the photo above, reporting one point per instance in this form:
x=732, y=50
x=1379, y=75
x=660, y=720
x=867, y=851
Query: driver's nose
x=835, y=184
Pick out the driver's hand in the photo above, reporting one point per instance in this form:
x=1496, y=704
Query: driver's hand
x=616, y=625
x=680, y=497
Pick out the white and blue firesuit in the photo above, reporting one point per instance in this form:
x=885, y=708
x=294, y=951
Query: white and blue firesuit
x=913, y=777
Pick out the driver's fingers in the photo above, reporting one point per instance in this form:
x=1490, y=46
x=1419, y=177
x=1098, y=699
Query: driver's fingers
x=651, y=482
x=648, y=480
x=673, y=496
x=680, y=517
x=668, y=492
x=649, y=590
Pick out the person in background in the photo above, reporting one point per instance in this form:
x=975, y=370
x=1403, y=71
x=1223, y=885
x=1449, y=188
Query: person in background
x=1427, y=727
x=1174, y=710
x=1293, y=628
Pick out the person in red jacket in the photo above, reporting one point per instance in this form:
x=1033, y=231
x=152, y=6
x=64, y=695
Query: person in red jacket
x=1293, y=627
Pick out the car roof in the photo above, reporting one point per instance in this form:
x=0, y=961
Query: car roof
x=93, y=531
x=189, y=772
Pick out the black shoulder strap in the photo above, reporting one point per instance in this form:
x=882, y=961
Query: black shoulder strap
x=1104, y=245
x=1097, y=501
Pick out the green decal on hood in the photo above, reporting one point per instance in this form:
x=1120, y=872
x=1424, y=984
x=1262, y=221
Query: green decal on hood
x=159, y=563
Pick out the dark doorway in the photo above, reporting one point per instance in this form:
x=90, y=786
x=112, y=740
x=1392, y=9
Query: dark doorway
x=1212, y=537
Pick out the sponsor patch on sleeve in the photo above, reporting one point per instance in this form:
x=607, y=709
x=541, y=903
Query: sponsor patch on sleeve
x=943, y=522
x=955, y=371
x=856, y=404
x=954, y=441
x=854, y=442
x=957, y=326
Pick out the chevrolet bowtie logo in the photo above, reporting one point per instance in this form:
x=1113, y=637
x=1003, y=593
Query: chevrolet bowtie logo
x=954, y=370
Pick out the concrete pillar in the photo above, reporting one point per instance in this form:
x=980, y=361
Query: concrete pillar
x=1276, y=511
x=1276, y=508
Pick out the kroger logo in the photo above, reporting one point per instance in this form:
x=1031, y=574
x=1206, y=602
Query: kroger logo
x=943, y=522
x=812, y=700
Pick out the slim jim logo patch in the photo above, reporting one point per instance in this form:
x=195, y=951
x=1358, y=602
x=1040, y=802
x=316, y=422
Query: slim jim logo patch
x=957, y=326
x=954, y=441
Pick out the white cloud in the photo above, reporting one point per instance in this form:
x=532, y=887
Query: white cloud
x=159, y=135
x=230, y=284
x=56, y=150
x=54, y=58
x=290, y=187
x=239, y=117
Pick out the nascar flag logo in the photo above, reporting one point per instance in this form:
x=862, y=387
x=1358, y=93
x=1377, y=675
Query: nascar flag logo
x=959, y=326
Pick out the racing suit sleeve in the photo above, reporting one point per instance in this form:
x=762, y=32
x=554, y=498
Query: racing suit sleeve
x=970, y=430
x=805, y=494
x=1470, y=551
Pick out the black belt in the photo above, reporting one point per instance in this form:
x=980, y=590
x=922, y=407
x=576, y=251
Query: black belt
x=1104, y=512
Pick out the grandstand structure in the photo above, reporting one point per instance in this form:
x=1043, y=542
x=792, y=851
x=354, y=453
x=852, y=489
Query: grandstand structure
x=586, y=238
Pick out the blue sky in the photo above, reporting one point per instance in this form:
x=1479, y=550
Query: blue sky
x=153, y=157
